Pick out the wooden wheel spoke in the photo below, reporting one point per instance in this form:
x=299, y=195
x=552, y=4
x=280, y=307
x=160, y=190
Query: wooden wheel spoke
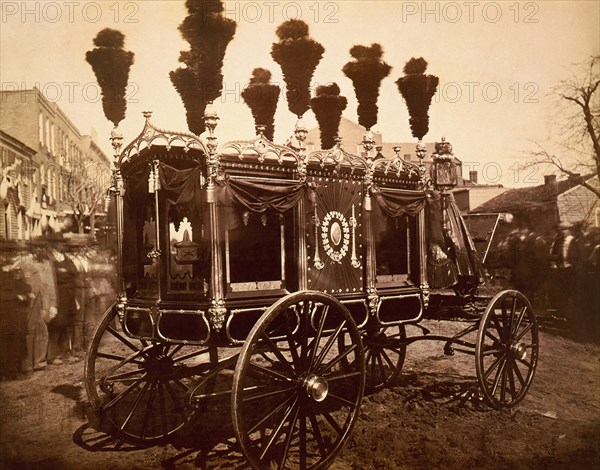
x=114, y=357
x=288, y=439
x=135, y=404
x=163, y=410
x=292, y=346
x=270, y=372
x=285, y=402
x=123, y=394
x=523, y=332
x=513, y=309
x=128, y=359
x=499, y=327
x=277, y=431
x=268, y=394
x=304, y=325
x=492, y=337
x=175, y=350
x=332, y=378
x=124, y=375
x=328, y=346
x=511, y=380
x=302, y=437
x=332, y=421
x=525, y=363
x=518, y=374
x=275, y=350
x=148, y=408
x=122, y=338
x=343, y=400
x=181, y=385
x=317, y=338
x=336, y=360
x=503, y=381
x=492, y=367
x=185, y=357
x=490, y=351
x=381, y=367
x=317, y=433
x=513, y=332
x=499, y=373
x=387, y=359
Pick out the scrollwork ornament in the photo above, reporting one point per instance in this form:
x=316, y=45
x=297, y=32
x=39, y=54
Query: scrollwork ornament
x=217, y=313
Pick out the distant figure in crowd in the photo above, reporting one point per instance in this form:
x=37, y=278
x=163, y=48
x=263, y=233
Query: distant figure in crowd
x=40, y=276
x=15, y=301
x=61, y=330
x=563, y=282
x=524, y=252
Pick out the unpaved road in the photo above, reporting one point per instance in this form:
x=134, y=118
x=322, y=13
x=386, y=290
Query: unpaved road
x=417, y=423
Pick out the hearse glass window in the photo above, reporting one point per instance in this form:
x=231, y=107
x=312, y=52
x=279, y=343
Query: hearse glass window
x=254, y=251
x=396, y=248
x=140, y=269
x=188, y=259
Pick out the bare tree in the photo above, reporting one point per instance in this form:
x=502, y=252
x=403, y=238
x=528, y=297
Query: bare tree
x=85, y=182
x=578, y=109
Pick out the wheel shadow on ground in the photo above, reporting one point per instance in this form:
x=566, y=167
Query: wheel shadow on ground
x=454, y=390
x=209, y=434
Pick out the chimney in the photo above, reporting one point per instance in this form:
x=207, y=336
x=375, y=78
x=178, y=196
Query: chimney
x=549, y=179
x=473, y=176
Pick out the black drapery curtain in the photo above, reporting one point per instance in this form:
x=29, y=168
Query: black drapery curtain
x=451, y=256
x=395, y=203
x=185, y=185
x=261, y=196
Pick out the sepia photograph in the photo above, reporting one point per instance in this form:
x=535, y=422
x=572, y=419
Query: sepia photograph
x=299, y=234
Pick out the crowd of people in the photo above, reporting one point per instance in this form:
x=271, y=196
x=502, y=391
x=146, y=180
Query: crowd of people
x=559, y=276
x=51, y=298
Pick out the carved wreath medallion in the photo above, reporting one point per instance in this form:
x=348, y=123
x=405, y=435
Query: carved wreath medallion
x=335, y=233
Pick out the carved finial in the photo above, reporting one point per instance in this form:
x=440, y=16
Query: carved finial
x=147, y=114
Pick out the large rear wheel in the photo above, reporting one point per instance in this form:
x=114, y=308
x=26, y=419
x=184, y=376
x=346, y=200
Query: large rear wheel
x=293, y=402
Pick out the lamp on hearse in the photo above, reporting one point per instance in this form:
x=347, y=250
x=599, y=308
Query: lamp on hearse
x=444, y=172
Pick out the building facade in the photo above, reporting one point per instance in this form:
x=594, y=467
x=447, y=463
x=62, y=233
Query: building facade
x=70, y=171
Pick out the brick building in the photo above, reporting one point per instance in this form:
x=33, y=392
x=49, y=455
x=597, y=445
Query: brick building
x=62, y=160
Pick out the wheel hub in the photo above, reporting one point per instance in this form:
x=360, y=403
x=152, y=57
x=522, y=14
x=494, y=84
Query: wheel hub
x=519, y=350
x=316, y=387
x=159, y=366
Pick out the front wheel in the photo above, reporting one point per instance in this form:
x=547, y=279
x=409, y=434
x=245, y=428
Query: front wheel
x=506, y=352
x=293, y=402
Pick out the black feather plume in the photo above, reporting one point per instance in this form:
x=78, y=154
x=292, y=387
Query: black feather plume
x=366, y=71
x=200, y=81
x=328, y=106
x=298, y=55
x=261, y=96
x=111, y=64
x=417, y=89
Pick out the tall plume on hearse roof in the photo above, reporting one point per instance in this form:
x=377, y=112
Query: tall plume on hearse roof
x=298, y=55
x=417, y=89
x=199, y=80
x=111, y=64
x=366, y=71
x=261, y=97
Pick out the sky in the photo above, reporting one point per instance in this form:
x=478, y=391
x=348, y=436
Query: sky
x=497, y=63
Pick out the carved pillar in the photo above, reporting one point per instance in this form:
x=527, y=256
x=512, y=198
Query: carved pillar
x=217, y=309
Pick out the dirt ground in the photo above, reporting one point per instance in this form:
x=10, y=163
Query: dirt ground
x=419, y=422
